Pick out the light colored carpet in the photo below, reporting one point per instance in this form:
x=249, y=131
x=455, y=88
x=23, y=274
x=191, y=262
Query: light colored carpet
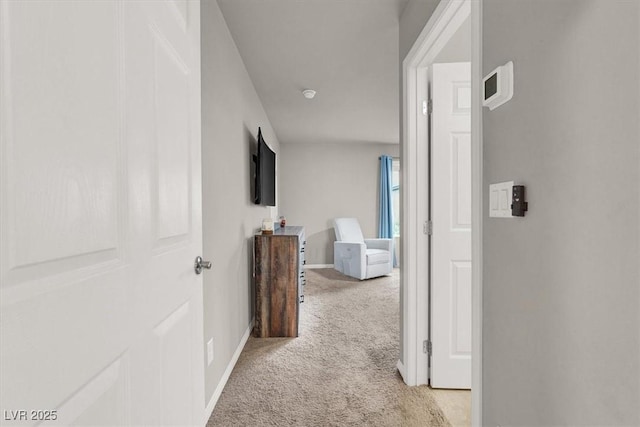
x=340, y=371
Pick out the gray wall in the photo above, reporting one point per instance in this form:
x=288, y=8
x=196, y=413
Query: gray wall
x=561, y=286
x=231, y=114
x=413, y=19
x=319, y=182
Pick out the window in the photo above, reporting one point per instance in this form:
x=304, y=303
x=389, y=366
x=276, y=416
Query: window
x=395, y=194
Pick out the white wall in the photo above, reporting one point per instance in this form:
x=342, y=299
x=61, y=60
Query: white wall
x=561, y=296
x=231, y=114
x=320, y=182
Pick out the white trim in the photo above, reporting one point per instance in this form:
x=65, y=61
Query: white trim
x=400, y=367
x=446, y=19
x=476, y=212
x=433, y=37
x=312, y=266
x=225, y=377
x=409, y=229
x=422, y=248
x=429, y=43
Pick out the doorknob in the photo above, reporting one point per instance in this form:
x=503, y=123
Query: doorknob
x=200, y=264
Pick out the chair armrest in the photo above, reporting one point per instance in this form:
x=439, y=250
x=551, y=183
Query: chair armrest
x=386, y=244
x=349, y=249
x=350, y=258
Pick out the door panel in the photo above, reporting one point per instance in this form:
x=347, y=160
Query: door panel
x=104, y=400
x=172, y=124
x=451, y=215
x=461, y=309
x=461, y=181
x=79, y=193
x=100, y=139
x=173, y=337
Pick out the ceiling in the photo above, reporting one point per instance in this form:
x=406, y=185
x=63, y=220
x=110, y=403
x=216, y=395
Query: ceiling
x=346, y=50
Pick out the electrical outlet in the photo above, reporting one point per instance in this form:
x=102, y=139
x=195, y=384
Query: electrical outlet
x=210, y=351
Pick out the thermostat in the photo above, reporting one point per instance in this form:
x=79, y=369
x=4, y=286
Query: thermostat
x=498, y=86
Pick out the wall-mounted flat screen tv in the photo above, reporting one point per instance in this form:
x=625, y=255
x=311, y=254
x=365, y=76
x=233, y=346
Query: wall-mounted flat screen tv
x=265, y=178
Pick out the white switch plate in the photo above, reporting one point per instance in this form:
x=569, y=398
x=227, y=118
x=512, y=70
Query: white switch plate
x=210, y=351
x=500, y=195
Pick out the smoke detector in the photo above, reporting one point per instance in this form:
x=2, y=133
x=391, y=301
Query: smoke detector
x=309, y=93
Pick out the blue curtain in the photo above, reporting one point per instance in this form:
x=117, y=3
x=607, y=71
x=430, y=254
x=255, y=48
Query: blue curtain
x=385, y=227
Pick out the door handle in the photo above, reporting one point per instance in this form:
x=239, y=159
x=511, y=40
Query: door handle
x=200, y=264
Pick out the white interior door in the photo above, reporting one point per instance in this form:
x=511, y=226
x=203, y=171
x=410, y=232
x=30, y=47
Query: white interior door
x=451, y=216
x=100, y=213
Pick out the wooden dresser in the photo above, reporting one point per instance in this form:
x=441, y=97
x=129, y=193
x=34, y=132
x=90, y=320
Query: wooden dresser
x=278, y=268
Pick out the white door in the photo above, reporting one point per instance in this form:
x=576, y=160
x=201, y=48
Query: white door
x=451, y=216
x=100, y=213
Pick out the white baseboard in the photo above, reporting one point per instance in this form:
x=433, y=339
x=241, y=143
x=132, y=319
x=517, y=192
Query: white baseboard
x=312, y=266
x=225, y=377
x=400, y=367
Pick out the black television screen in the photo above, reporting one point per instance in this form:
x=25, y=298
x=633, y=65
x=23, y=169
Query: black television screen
x=265, y=185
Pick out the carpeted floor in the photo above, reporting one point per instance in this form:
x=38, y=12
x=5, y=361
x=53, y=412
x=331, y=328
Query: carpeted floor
x=340, y=371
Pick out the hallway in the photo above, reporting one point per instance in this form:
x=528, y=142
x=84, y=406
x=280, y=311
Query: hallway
x=340, y=371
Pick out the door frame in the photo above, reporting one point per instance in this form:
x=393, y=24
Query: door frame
x=446, y=19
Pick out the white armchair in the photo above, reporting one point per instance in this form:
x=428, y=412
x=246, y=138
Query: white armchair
x=358, y=257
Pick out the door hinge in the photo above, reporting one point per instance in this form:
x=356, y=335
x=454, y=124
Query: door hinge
x=427, y=107
x=426, y=347
x=427, y=228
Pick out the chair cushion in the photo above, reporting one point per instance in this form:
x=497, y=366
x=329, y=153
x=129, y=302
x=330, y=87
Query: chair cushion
x=348, y=230
x=377, y=256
